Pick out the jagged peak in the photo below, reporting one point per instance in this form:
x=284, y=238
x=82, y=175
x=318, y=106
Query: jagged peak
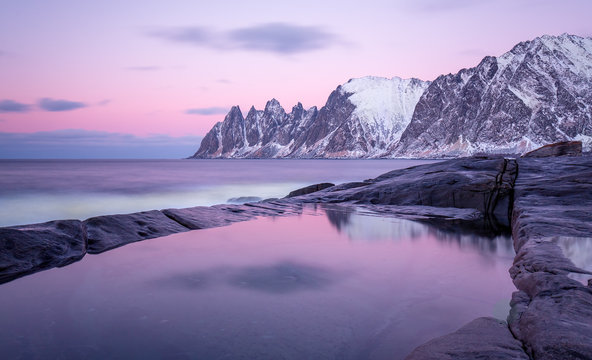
x=298, y=106
x=235, y=111
x=273, y=103
x=252, y=111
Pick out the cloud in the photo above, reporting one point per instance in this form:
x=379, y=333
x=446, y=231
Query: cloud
x=224, y=81
x=13, y=106
x=104, y=102
x=207, y=111
x=191, y=35
x=143, y=68
x=59, y=105
x=282, y=38
x=277, y=38
x=78, y=143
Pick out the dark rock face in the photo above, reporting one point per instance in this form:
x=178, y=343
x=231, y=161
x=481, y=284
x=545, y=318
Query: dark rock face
x=551, y=313
x=482, y=338
x=538, y=93
x=31, y=248
x=565, y=148
x=309, y=189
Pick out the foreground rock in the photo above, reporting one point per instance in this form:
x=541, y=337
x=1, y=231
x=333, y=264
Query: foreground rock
x=483, y=338
x=31, y=248
x=552, y=313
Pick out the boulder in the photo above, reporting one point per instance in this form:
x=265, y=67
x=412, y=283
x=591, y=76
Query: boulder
x=564, y=148
x=31, y=248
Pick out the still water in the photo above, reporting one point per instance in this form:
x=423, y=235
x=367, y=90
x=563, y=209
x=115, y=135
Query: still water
x=33, y=191
x=327, y=284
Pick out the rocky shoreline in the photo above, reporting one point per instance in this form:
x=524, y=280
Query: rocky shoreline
x=544, y=201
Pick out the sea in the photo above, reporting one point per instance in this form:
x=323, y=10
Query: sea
x=33, y=191
x=331, y=283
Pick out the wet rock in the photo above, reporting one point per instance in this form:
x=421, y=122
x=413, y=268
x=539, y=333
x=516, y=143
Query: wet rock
x=203, y=217
x=564, y=148
x=309, y=189
x=482, y=338
x=111, y=231
x=31, y=248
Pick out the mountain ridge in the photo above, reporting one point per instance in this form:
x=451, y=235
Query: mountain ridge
x=538, y=92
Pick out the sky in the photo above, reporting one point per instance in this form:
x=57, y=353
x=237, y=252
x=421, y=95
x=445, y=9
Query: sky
x=82, y=78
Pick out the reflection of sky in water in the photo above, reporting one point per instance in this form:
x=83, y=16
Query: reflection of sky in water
x=579, y=251
x=289, y=287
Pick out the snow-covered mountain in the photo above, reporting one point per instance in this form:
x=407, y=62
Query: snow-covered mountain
x=361, y=118
x=539, y=92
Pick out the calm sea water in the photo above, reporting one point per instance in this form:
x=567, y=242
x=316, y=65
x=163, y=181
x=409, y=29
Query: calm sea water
x=34, y=191
x=329, y=284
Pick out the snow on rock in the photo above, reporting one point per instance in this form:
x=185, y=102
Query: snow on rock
x=537, y=93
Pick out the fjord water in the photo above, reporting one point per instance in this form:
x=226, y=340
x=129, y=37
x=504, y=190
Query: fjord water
x=331, y=283
x=33, y=191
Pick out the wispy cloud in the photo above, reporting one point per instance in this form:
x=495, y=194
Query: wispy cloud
x=277, y=38
x=13, y=106
x=282, y=38
x=143, y=68
x=104, y=102
x=77, y=143
x=207, y=111
x=48, y=104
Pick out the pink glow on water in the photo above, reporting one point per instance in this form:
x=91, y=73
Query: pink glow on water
x=289, y=287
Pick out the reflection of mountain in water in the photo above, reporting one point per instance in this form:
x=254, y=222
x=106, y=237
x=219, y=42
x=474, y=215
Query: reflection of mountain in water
x=367, y=227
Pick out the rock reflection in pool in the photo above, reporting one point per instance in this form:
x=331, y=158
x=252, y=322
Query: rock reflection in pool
x=336, y=286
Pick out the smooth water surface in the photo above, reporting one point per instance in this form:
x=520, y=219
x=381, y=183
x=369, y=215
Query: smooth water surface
x=328, y=284
x=34, y=191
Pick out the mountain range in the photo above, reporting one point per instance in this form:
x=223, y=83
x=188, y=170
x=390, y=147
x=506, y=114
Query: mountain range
x=537, y=93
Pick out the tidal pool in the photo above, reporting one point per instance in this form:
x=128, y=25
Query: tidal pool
x=328, y=284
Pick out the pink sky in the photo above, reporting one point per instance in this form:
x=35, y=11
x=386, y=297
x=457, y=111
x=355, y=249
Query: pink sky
x=138, y=66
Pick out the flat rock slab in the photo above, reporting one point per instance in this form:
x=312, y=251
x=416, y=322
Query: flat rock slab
x=111, y=231
x=31, y=248
x=483, y=338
